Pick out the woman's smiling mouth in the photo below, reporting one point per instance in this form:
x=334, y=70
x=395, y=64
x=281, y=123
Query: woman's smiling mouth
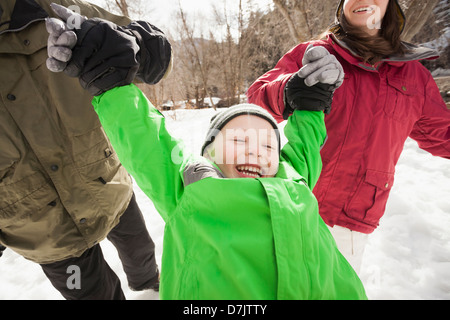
x=364, y=9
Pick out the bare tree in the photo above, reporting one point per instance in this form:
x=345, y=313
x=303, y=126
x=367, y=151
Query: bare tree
x=306, y=19
x=417, y=14
x=135, y=9
x=123, y=6
x=197, y=50
x=283, y=7
x=229, y=47
x=266, y=41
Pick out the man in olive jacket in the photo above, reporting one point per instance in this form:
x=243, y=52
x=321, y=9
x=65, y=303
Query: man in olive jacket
x=62, y=187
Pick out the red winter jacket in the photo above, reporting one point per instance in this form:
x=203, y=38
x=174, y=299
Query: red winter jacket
x=375, y=110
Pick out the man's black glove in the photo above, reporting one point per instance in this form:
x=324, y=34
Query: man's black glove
x=106, y=55
x=2, y=248
x=312, y=87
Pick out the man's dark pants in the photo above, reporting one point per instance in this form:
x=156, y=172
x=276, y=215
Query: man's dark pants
x=97, y=280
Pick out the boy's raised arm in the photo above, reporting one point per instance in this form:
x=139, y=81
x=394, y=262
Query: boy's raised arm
x=307, y=97
x=306, y=134
x=138, y=134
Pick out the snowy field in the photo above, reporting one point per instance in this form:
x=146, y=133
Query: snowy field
x=407, y=257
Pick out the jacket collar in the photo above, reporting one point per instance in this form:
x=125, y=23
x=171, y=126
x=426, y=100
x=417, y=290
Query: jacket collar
x=23, y=14
x=414, y=53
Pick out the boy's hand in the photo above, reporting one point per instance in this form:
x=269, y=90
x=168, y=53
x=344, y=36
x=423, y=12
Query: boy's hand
x=312, y=87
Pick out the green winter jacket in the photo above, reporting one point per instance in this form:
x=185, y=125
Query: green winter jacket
x=231, y=238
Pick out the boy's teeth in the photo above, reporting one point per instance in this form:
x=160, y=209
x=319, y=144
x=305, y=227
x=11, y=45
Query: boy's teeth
x=250, y=170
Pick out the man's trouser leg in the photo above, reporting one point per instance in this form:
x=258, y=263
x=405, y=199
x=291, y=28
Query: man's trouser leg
x=136, y=249
x=97, y=280
x=87, y=277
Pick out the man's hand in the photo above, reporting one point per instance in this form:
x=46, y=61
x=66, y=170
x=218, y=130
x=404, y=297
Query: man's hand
x=102, y=54
x=106, y=55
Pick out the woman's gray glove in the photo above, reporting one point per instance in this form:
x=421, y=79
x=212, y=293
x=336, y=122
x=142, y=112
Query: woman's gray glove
x=319, y=65
x=106, y=55
x=312, y=87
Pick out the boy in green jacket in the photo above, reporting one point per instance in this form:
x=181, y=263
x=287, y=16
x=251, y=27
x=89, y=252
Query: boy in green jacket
x=241, y=222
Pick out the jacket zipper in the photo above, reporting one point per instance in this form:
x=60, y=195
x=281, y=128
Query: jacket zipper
x=22, y=28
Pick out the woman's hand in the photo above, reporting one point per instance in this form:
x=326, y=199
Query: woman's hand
x=312, y=87
x=321, y=66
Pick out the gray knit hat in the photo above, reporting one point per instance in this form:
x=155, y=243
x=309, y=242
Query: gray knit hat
x=219, y=120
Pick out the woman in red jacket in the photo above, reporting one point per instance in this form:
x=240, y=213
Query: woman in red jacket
x=387, y=96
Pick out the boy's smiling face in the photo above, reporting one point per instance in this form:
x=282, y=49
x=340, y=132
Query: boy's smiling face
x=246, y=147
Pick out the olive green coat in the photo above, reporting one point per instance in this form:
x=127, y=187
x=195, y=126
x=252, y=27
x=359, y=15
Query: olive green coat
x=62, y=187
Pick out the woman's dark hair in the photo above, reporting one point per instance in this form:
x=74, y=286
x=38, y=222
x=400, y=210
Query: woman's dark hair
x=372, y=48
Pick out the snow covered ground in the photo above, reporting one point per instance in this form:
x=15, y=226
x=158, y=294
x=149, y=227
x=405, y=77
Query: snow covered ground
x=407, y=257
